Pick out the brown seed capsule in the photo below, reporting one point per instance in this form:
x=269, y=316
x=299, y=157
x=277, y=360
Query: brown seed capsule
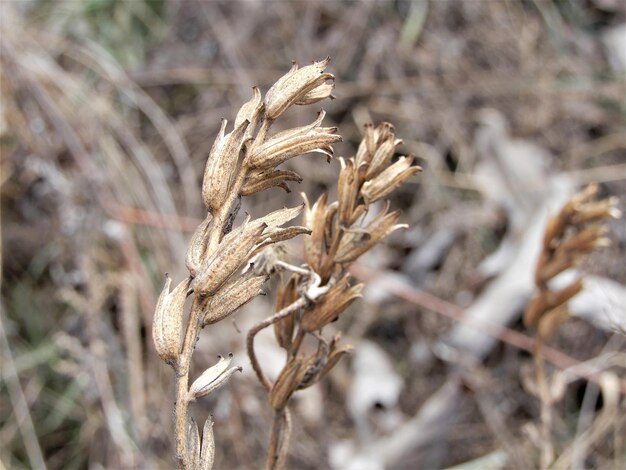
x=251, y=112
x=259, y=180
x=233, y=296
x=318, y=93
x=212, y=378
x=328, y=309
x=168, y=320
x=207, y=453
x=315, y=220
x=354, y=246
x=283, y=329
x=293, y=142
x=221, y=165
x=197, y=247
x=294, y=86
x=347, y=191
x=389, y=180
x=235, y=250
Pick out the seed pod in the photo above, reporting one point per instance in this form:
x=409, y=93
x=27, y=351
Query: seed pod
x=382, y=156
x=259, y=180
x=347, y=191
x=168, y=320
x=283, y=329
x=232, y=297
x=251, y=112
x=390, y=179
x=294, y=86
x=315, y=220
x=235, y=250
x=212, y=378
x=379, y=229
x=293, y=142
x=328, y=309
x=207, y=454
x=318, y=93
x=221, y=165
x=197, y=247
x=193, y=443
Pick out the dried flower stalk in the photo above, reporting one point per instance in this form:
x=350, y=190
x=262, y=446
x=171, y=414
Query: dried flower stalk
x=318, y=294
x=575, y=231
x=241, y=162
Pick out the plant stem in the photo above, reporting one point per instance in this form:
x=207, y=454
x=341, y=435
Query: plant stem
x=547, y=449
x=288, y=310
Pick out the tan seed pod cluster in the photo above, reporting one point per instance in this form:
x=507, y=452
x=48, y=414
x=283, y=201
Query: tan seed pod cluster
x=241, y=162
x=318, y=295
x=576, y=230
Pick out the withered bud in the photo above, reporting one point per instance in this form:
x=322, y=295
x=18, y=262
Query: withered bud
x=283, y=329
x=293, y=142
x=212, y=378
x=168, y=320
x=251, y=112
x=356, y=244
x=294, y=86
x=221, y=166
x=315, y=220
x=259, y=180
x=197, y=247
x=389, y=180
x=234, y=251
x=232, y=296
x=328, y=309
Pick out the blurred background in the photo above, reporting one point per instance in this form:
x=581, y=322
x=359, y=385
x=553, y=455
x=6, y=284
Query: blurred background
x=108, y=111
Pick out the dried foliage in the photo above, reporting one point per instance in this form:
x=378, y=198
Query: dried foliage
x=578, y=228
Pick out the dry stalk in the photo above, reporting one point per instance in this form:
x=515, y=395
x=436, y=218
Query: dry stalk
x=241, y=162
x=570, y=235
x=316, y=295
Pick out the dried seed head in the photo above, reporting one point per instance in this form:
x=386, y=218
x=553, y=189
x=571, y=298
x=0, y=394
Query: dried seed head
x=293, y=142
x=168, y=320
x=328, y=309
x=389, y=180
x=294, y=86
x=231, y=297
x=221, y=166
x=212, y=378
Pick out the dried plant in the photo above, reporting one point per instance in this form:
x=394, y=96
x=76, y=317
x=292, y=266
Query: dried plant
x=576, y=230
x=240, y=163
x=317, y=294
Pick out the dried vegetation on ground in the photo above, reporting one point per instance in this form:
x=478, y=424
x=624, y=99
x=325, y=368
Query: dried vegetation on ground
x=109, y=109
